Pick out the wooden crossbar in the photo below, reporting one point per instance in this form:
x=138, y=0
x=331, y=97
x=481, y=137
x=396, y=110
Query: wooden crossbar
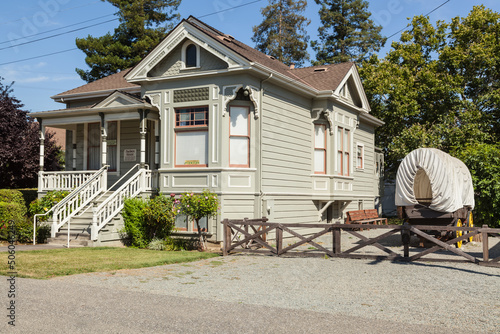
x=305, y=240
x=254, y=232
x=373, y=242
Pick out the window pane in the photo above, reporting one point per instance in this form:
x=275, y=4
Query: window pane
x=346, y=140
x=192, y=148
x=238, y=151
x=339, y=139
x=339, y=162
x=203, y=224
x=319, y=141
x=191, y=56
x=181, y=222
x=239, y=121
x=319, y=160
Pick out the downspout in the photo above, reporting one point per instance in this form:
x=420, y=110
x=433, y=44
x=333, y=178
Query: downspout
x=260, y=141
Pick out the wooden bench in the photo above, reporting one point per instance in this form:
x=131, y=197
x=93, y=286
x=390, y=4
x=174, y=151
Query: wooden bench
x=364, y=217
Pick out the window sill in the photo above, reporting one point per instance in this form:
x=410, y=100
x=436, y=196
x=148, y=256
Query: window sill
x=334, y=176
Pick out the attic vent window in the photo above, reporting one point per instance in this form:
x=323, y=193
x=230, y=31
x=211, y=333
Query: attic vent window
x=272, y=58
x=191, y=55
x=320, y=70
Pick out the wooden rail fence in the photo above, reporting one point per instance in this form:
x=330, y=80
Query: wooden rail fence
x=250, y=235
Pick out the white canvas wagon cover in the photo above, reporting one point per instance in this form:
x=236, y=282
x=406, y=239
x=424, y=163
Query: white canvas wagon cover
x=434, y=178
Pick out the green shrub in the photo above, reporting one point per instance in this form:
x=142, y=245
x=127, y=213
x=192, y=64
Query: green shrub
x=146, y=220
x=13, y=196
x=42, y=205
x=134, y=225
x=10, y=211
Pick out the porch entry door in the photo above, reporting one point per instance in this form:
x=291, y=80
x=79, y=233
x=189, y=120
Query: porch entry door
x=94, y=146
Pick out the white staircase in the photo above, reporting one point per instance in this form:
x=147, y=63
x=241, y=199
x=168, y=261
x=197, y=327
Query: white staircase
x=95, y=220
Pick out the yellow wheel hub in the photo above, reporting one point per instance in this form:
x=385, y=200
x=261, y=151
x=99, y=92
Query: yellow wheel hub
x=458, y=234
x=471, y=224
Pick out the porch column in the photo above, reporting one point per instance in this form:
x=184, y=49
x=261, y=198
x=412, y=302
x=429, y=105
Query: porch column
x=157, y=145
x=42, y=154
x=73, y=142
x=42, y=143
x=104, y=148
x=143, y=130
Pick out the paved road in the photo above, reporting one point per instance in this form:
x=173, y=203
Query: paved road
x=48, y=306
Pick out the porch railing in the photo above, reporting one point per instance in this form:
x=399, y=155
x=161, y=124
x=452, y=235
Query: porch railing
x=107, y=210
x=79, y=199
x=63, y=180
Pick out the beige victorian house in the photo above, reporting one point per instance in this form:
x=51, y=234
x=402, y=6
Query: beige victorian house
x=205, y=111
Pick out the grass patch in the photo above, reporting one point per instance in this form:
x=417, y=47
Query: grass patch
x=61, y=262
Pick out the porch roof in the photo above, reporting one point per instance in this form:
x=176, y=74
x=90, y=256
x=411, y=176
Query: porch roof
x=115, y=102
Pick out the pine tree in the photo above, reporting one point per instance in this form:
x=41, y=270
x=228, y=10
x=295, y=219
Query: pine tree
x=143, y=24
x=347, y=33
x=282, y=34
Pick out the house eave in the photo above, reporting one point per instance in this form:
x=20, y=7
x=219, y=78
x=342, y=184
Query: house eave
x=87, y=111
x=93, y=94
x=371, y=119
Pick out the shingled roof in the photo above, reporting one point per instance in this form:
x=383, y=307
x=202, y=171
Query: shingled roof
x=325, y=77
x=111, y=82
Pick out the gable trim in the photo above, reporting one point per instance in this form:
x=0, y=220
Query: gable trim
x=354, y=74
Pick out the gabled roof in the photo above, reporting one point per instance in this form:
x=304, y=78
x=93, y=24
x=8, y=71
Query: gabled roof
x=318, y=78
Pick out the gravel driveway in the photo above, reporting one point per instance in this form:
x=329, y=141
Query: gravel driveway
x=448, y=297
x=266, y=294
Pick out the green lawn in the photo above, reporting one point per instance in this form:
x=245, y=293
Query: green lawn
x=61, y=262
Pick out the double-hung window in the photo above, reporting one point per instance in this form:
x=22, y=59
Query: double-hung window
x=360, y=156
x=319, y=149
x=191, y=137
x=239, y=137
x=343, y=157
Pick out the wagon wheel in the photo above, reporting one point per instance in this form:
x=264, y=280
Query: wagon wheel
x=471, y=224
x=458, y=234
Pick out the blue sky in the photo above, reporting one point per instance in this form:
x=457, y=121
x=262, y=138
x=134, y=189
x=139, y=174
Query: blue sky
x=38, y=79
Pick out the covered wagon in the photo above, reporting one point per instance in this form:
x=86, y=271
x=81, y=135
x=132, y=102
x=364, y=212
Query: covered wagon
x=434, y=188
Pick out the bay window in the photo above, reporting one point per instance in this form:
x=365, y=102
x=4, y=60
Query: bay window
x=319, y=149
x=191, y=137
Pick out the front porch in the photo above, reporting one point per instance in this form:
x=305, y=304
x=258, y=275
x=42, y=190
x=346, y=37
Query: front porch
x=112, y=152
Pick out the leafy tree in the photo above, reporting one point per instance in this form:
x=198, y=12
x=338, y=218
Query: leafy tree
x=19, y=144
x=282, y=34
x=437, y=87
x=197, y=206
x=347, y=33
x=483, y=161
x=143, y=24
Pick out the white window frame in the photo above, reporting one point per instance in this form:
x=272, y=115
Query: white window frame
x=183, y=55
x=248, y=136
x=341, y=171
x=191, y=128
x=325, y=164
x=358, y=145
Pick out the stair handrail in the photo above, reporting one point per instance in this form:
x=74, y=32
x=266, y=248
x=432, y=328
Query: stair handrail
x=108, y=209
x=65, y=200
x=123, y=177
x=79, y=199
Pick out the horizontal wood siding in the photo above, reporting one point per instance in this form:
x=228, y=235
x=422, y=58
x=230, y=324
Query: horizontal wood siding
x=286, y=144
x=365, y=179
x=237, y=206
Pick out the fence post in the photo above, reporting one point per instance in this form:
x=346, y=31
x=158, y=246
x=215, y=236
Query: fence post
x=336, y=241
x=264, y=236
x=486, y=252
x=279, y=240
x=225, y=239
x=405, y=236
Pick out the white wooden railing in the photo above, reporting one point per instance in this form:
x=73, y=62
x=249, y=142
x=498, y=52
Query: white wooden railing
x=79, y=199
x=107, y=210
x=65, y=180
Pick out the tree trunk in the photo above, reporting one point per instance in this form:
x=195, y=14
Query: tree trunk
x=201, y=239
